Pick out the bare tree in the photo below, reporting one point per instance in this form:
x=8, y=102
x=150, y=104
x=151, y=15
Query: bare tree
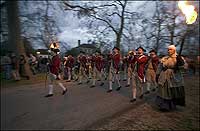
x=40, y=25
x=14, y=34
x=104, y=14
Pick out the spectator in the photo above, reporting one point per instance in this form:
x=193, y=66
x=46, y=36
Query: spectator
x=43, y=64
x=6, y=65
x=22, y=63
x=15, y=67
x=33, y=63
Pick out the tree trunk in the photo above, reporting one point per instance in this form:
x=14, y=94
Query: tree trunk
x=119, y=34
x=118, y=40
x=14, y=38
x=47, y=34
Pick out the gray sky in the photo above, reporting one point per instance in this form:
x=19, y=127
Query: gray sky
x=74, y=29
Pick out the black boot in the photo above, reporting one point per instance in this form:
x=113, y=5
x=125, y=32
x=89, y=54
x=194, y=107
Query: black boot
x=92, y=86
x=141, y=96
x=133, y=100
x=118, y=88
x=64, y=91
x=49, y=95
x=102, y=84
x=109, y=91
x=127, y=85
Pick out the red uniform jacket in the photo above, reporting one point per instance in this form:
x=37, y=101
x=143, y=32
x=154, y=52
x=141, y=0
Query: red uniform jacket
x=83, y=60
x=104, y=62
x=141, y=62
x=131, y=61
x=55, y=65
x=124, y=63
x=116, y=61
x=99, y=63
x=70, y=62
x=92, y=60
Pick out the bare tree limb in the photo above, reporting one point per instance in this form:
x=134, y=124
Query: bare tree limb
x=109, y=24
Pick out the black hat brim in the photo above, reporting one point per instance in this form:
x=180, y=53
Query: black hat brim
x=116, y=48
x=141, y=48
x=56, y=50
x=152, y=51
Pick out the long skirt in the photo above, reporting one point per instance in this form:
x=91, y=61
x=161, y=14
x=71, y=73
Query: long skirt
x=169, y=97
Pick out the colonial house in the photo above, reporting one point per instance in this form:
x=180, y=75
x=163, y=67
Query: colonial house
x=87, y=48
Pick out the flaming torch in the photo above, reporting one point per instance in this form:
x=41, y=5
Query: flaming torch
x=190, y=16
x=188, y=11
x=54, y=45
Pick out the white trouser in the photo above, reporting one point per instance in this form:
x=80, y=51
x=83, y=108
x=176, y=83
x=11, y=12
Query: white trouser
x=52, y=80
x=112, y=77
x=69, y=73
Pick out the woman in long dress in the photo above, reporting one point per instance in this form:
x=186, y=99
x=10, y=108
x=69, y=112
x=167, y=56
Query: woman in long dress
x=170, y=81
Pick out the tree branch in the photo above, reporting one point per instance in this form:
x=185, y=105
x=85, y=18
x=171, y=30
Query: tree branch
x=108, y=23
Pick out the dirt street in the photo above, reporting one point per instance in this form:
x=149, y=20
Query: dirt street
x=25, y=107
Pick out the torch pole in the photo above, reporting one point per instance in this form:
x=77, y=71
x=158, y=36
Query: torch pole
x=183, y=40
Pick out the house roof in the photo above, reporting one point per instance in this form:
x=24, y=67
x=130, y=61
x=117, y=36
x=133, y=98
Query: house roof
x=87, y=46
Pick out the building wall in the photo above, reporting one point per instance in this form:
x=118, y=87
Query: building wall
x=87, y=50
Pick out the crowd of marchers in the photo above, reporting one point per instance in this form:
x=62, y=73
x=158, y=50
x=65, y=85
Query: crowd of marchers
x=163, y=75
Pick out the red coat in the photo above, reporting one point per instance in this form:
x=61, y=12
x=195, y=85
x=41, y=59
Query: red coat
x=70, y=62
x=141, y=62
x=83, y=60
x=99, y=63
x=116, y=61
x=131, y=61
x=104, y=62
x=155, y=62
x=55, y=65
x=124, y=63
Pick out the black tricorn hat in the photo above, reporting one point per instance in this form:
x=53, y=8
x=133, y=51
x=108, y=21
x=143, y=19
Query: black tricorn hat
x=152, y=51
x=56, y=50
x=116, y=48
x=140, y=47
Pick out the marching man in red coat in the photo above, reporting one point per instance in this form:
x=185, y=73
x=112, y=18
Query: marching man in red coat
x=82, y=70
x=54, y=66
x=97, y=69
x=138, y=78
x=69, y=65
x=89, y=66
x=114, y=68
x=131, y=65
x=125, y=67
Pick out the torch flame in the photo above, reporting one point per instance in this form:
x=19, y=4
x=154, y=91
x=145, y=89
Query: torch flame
x=54, y=45
x=188, y=11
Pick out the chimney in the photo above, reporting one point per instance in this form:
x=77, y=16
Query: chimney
x=79, y=42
